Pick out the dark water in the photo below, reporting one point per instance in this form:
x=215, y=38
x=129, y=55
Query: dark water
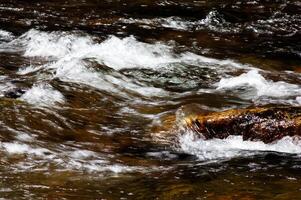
x=91, y=93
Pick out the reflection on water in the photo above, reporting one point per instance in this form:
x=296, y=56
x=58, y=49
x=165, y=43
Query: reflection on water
x=90, y=93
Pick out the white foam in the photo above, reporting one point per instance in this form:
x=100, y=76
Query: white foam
x=114, y=52
x=234, y=146
x=53, y=44
x=24, y=137
x=68, y=55
x=28, y=69
x=11, y=8
x=17, y=148
x=42, y=95
x=5, y=35
x=262, y=87
x=79, y=154
x=213, y=21
x=280, y=23
x=169, y=22
x=79, y=159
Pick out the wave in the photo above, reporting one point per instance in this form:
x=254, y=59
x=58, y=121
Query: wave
x=213, y=21
x=277, y=24
x=42, y=95
x=6, y=36
x=79, y=58
x=234, y=146
x=252, y=85
x=70, y=57
x=113, y=52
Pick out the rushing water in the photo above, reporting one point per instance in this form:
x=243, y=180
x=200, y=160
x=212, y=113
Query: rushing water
x=90, y=94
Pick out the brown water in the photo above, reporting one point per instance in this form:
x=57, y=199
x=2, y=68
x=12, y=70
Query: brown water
x=90, y=90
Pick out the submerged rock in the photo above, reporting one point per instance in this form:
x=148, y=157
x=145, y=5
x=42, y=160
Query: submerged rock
x=14, y=93
x=257, y=124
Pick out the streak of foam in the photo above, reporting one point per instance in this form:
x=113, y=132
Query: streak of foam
x=234, y=146
x=114, y=52
x=17, y=148
x=213, y=21
x=82, y=160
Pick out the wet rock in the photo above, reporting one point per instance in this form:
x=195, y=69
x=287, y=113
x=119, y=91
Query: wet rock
x=257, y=124
x=14, y=93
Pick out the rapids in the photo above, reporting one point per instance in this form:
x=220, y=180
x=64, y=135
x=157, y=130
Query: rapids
x=86, y=88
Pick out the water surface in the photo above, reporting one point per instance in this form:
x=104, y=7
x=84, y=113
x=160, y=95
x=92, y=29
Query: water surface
x=91, y=93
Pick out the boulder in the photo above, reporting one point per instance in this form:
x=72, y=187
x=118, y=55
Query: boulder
x=256, y=124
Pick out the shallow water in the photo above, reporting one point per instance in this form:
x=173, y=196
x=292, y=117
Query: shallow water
x=90, y=91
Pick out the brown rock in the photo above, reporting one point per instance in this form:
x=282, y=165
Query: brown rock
x=259, y=124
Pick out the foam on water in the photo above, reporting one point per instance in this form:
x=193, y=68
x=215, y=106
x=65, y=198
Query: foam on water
x=234, y=146
x=55, y=44
x=262, y=87
x=213, y=21
x=5, y=35
x=279, y=23
x=114, y=52
x=69, y=159
x=17, y=148
x=68, y=55
x=42, y=95
x=169, y=22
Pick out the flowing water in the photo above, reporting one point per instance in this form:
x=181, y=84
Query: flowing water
x=89, y=91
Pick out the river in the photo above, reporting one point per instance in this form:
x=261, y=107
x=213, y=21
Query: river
x=91, y=90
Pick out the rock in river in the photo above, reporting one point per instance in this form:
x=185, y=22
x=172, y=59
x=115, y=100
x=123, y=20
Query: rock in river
x=257, y=124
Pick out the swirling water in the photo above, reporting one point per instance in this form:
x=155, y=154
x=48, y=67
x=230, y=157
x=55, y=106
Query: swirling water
x=90, y=90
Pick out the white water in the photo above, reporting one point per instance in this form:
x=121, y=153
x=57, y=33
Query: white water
x=259, y=85
x=70, y=58
x=169, y=22
x=67, y=56
x=234, y=146
x=17, y=148
x=42, y=95
x=82, y=160
x=213, y=21
x=5, y=35
x=113, y=52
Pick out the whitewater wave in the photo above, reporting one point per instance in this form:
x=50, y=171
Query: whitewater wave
x=234, y=146
x=114, y=52
x=5, y=35
x=42, y=95
x=259, y=86
x=70, y=56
